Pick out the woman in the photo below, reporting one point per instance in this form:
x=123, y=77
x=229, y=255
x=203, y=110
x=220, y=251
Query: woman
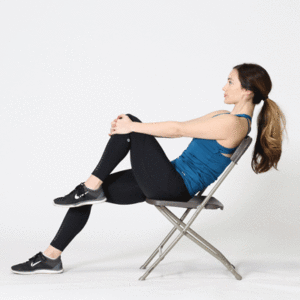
x=153, y=175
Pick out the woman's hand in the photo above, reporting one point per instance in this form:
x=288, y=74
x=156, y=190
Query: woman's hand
x=121, y=125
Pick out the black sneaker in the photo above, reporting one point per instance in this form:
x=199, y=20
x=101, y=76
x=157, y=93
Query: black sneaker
x=81, y=195
x=39, y=264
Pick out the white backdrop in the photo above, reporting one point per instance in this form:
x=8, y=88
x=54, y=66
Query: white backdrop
x=68, y=68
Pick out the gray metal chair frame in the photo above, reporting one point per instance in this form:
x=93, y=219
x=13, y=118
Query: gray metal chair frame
x=198, y=202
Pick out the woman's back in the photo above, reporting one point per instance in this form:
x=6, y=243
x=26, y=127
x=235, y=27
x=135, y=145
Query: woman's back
x=203, y=161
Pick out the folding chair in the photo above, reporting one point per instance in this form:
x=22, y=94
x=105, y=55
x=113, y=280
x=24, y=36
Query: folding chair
x=197, y=202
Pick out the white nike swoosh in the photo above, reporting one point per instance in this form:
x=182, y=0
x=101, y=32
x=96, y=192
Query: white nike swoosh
x=33, y=264
x=77, y=197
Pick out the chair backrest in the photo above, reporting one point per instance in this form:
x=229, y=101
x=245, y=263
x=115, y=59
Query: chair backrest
x=241, y=149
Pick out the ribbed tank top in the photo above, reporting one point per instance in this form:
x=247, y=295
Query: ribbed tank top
x=202, y=162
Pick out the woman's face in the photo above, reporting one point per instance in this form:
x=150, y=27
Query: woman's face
x=233, y=89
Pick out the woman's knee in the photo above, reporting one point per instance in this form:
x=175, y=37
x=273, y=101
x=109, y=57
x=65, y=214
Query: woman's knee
x=133, y=118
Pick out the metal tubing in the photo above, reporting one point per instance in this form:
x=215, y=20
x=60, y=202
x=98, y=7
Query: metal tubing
x=187, y=233
x=164, y=241
x=189, y=230
x=220, y=257
x=197, y=236
x=162, y=256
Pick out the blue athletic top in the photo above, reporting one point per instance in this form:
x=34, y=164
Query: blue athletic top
x=202, y=162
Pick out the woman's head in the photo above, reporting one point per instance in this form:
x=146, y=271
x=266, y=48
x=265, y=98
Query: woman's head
x=251, y=82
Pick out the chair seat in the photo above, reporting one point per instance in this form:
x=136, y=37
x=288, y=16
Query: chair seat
x=194, y=202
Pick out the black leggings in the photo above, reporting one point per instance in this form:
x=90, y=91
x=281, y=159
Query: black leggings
x=152, y=176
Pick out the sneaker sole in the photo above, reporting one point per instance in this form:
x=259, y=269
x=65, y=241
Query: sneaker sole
x=38, y=272
x=81, y=203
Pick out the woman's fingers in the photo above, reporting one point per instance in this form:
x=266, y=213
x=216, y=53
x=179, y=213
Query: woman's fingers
x=113, y=124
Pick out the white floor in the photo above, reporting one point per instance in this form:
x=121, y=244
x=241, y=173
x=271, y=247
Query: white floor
x=103, y=271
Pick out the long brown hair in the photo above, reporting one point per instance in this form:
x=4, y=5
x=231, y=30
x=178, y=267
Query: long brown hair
x=271, y=121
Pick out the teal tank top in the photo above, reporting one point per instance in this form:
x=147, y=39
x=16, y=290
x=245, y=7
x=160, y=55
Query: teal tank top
x=202, y=162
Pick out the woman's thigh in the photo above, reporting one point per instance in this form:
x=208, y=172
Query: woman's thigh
x=153, y=171
x=122, y=188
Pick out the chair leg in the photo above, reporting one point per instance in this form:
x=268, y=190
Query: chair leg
x=161, y=257
x=191, y=234
x=162, y=254
x=210, y=248
x=159, y=248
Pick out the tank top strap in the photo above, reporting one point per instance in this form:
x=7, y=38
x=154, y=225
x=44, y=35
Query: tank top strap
x=220, y=114
x=248, y=119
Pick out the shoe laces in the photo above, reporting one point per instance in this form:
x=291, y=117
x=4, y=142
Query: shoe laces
x=36, y=257
x=80, y=189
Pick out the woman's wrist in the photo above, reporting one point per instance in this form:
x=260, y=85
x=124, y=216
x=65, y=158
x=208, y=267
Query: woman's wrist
x=132, y=126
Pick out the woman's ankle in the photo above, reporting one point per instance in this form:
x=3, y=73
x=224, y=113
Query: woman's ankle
x=93, y=183
x=52, y=252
